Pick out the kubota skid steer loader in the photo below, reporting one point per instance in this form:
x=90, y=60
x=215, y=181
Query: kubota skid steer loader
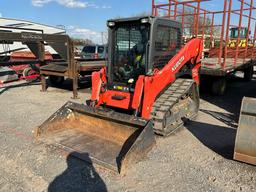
x=150, y=85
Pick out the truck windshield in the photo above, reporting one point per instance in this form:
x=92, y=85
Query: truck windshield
x=100, y=49
x=89, y=49
x=234, y=33
x=130, y=51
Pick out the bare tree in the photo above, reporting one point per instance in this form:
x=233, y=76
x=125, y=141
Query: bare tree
x=82, y=42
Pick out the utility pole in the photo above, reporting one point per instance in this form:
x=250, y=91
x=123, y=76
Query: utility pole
x=102, y=33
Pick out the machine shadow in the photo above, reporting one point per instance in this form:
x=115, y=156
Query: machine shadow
x=219, y=139
x=226, y=118
x=231, y=101
x=79, y=176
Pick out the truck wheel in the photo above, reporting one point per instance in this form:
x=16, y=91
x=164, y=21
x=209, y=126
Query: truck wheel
x=56, y=80
x=219, y=86
x=28, y=72
x=248, y=73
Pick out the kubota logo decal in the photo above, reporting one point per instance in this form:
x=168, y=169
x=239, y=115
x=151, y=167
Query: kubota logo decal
x=178, y=63
x=194, y=73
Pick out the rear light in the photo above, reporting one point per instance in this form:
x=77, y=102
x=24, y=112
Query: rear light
x=96, y=56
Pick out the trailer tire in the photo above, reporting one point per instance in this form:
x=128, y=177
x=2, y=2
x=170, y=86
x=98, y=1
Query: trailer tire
x=56, y=80
x=248, y=73
x=28, y=72
x=219, y=86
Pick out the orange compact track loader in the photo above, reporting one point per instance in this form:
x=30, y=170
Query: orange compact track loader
x=150, y=84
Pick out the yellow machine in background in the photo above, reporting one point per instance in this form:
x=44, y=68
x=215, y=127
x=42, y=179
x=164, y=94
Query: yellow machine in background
x=234, y=35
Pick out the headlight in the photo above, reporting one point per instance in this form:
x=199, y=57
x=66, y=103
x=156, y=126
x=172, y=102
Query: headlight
x=145, y=20
x=131, y=81
x=111, y=23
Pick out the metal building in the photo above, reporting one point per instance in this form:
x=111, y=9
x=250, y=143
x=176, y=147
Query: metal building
x=18, y=25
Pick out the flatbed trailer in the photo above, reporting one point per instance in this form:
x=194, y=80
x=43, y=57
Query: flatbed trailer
x=221, y=57
x=64, y=65
x=82, y=68
x=210, y=66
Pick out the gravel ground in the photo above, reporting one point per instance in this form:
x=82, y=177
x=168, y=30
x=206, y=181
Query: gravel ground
x=196, y=158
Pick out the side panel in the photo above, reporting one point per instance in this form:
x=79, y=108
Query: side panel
x=96, y=85
x=153, y=49
x=136, y=103
x=98, y=78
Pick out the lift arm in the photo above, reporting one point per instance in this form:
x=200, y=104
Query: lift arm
x=153, y=85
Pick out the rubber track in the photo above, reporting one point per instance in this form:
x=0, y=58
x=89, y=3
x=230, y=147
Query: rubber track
x=166, y=101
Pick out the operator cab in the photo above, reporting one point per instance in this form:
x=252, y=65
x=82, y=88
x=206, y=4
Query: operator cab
x=137, y=46
x=235, y=30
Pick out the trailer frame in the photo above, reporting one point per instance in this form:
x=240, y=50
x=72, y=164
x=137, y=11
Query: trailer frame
x=225, y=60
x=66, y=66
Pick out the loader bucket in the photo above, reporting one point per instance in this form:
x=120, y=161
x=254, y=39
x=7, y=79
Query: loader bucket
x=112, y=140
x=245, y=146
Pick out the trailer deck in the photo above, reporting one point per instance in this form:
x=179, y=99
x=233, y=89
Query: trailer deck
x=62, y=67
x=72, y=69
x=210, y=66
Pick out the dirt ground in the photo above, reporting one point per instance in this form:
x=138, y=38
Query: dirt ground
x=197, y=158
